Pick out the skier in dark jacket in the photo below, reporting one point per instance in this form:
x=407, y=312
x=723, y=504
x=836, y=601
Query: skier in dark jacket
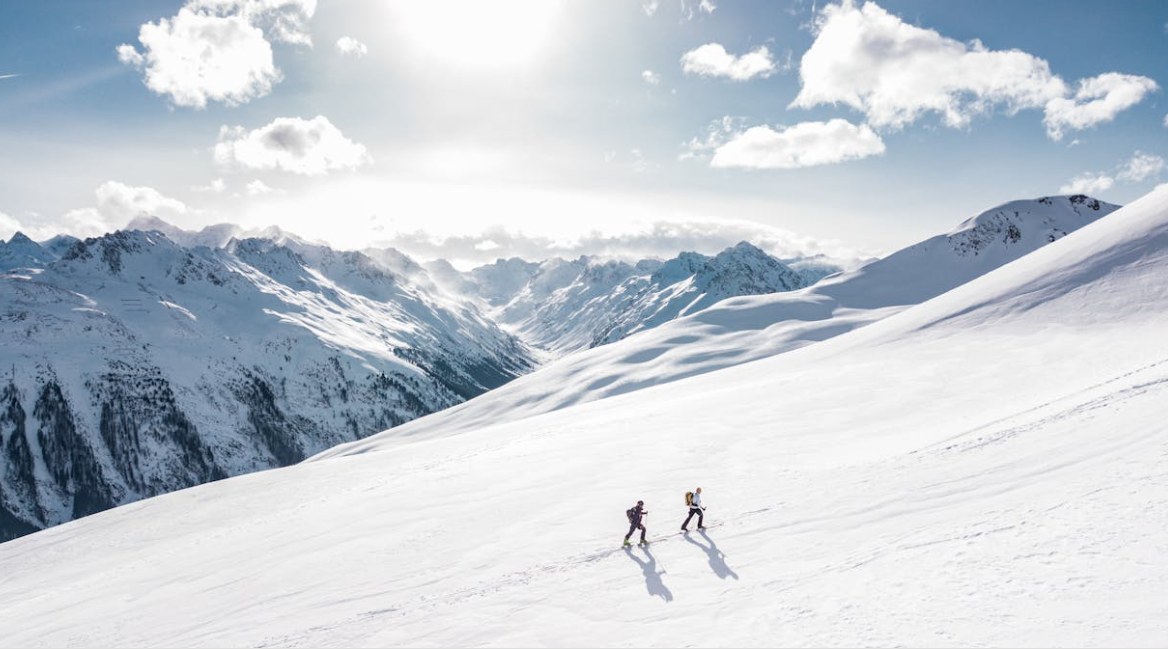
x=635, y=514
x=695, y=508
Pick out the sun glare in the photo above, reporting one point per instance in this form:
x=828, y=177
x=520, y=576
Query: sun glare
x=478, y=33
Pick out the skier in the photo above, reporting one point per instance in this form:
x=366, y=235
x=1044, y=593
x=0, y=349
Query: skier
x=635, y=514
x=694, y=501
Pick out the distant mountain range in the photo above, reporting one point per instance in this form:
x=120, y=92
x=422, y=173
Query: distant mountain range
x=752, y=327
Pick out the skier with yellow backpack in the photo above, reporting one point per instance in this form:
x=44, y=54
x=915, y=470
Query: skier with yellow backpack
x=694, y=501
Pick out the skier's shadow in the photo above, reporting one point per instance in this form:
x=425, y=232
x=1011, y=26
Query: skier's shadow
x=653, y=581
x=716, y=557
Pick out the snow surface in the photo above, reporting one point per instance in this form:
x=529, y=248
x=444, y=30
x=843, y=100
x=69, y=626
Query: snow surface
x=987, y=468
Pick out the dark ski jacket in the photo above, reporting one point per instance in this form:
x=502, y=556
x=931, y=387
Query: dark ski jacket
x=638, y=512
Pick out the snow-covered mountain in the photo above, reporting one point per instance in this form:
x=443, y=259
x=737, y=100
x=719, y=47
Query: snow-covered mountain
x=983, y=468
x=742, y=329
x=134, y=366
x=567, y=305
x=21, y=252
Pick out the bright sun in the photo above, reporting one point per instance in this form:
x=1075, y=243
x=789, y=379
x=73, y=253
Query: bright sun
x=477, y=33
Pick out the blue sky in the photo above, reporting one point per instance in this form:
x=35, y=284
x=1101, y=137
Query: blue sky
x=470, y=130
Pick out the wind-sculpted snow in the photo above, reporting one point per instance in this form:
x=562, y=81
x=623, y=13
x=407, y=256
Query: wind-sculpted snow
x=985, y=468
x=136, y=366
x=742, y=329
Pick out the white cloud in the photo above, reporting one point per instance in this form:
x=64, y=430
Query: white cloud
x=290, y=144
x=82, y=223
x=639, y=164
x=717, y=133
x=650, y=6
x=712, y=60
x=8, y=226
x=217, y=50
x=349, y=46
x=259, y=188
x=895, y=73
x=118, y=203
x=216, y=186
x=1142, y=166
x=803, y=145
x=1097, y=100
x=707, y=6
x=651, y=78
x=285, y=21
x=1088, y=183
x=86, y=222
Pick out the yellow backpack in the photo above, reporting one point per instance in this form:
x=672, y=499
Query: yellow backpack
x=689, y=498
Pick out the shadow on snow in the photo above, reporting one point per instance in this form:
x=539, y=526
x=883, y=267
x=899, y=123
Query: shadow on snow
x=653, y=581
x=716, y=557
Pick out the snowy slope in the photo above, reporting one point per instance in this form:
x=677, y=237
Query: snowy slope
x=985, y=468
x=744, y=329
x=562, y=306
x=136, y=366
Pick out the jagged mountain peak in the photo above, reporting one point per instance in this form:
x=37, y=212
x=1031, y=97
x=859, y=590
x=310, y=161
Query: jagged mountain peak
x=20, y=239
x=21, y=252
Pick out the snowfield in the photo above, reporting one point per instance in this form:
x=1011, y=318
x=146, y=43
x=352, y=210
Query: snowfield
x=989, y=467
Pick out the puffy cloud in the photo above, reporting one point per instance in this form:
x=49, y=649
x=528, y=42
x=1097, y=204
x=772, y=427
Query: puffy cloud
x=216, y=186
x=639, y=164
x=8, y=226
x=895, y=73
x=290, y=144
x=1088, y=183
x=712, y=60
x=707, y=6
x=349, y=46
x=86, y=222
x=1097, y=100
x=717, y=133
x=116, y=205
x=806, y=144
x=217, y=50
x=258, y=188
x=1142, y=166
x=651, y=78
x=650, y=6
